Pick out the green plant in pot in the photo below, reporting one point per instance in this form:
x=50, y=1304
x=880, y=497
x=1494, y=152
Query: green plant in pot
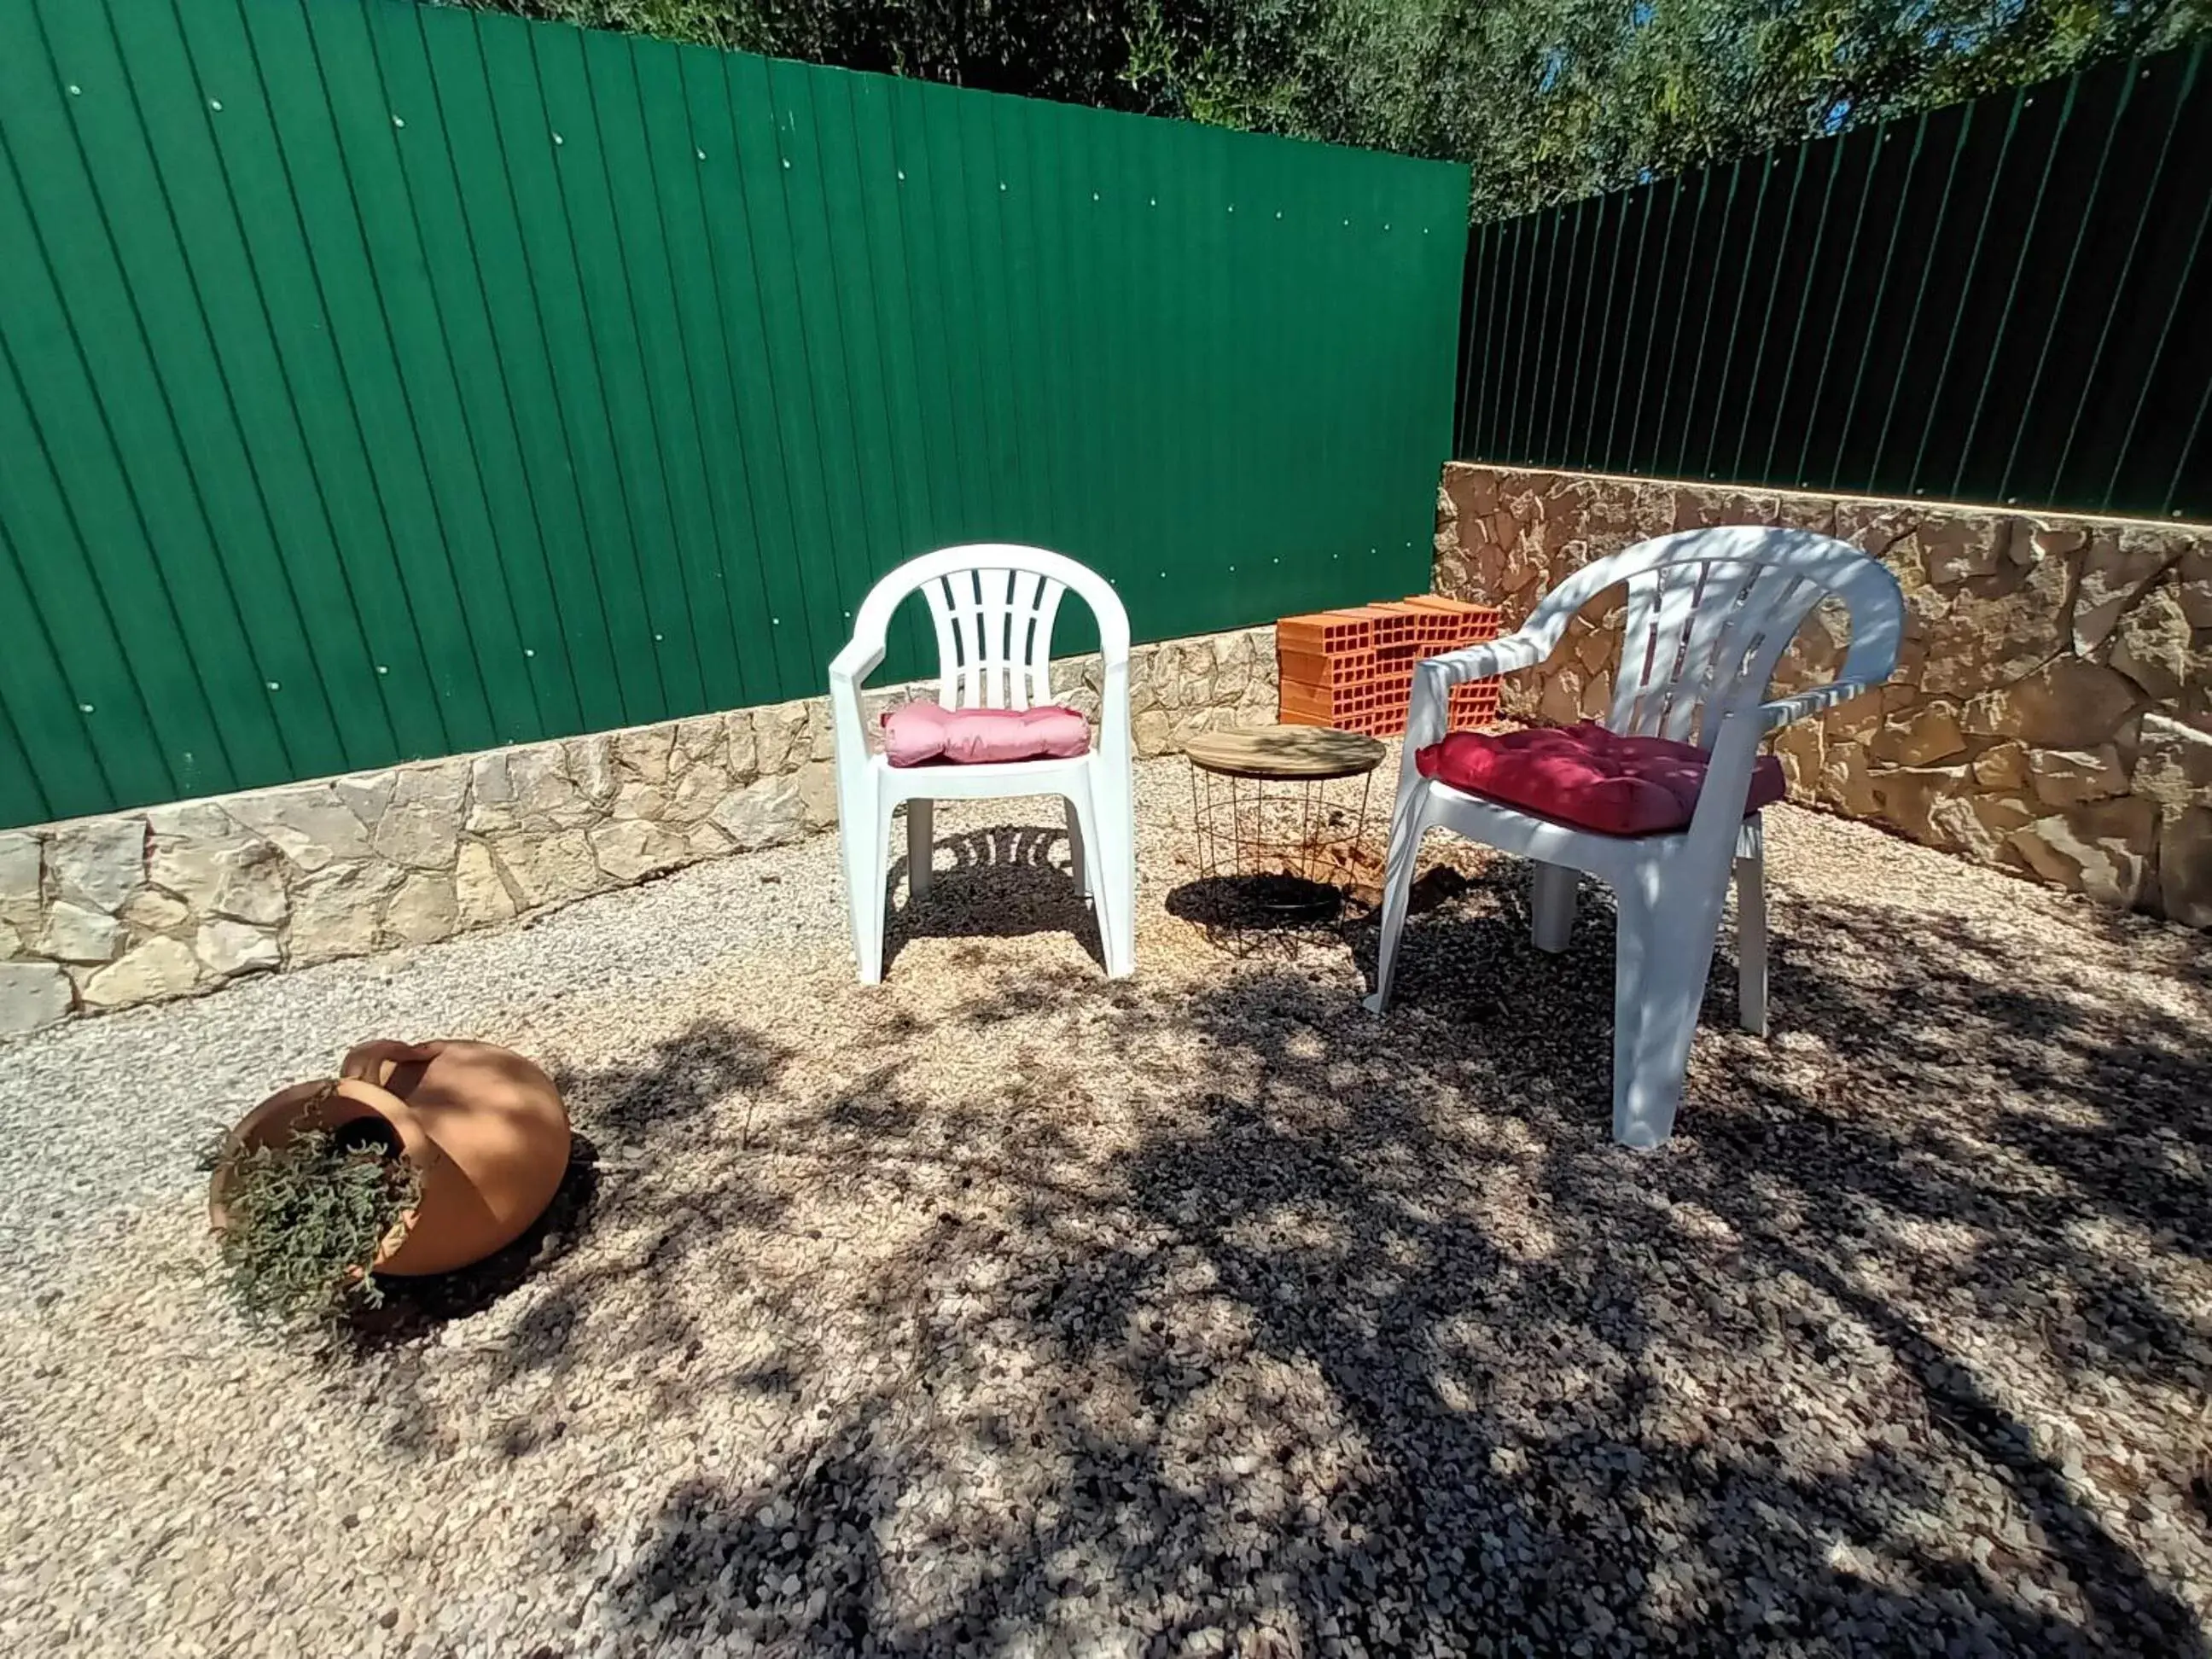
x=305, y=1218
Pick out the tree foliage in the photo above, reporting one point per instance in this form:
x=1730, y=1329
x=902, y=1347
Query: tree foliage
x=1547, y=99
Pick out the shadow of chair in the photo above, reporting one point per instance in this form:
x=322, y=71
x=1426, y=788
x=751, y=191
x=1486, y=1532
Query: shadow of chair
x=1003, y=883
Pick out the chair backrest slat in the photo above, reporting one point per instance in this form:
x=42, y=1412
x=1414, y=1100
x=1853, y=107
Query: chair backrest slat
x=1044, y=605
x=1709, y=613
x=993, y=619
x=938, y=595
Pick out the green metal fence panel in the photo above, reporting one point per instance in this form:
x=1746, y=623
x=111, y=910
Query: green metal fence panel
x=2001, y=302
x=380, y=381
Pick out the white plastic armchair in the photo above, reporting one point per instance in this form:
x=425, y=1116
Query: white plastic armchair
x=993, y=604
x=1709, y=614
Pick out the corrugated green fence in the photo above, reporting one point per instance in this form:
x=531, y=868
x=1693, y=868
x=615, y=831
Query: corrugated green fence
x=381, y=381
x=2005, y=300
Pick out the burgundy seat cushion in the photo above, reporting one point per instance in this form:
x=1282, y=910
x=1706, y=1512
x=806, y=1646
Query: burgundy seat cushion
x=916, y=733
x=1588, y=776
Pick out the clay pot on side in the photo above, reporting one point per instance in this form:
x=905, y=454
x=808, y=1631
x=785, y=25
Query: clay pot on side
x=483, y=1128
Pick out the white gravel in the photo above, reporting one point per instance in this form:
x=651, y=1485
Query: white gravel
x=1002, y=1310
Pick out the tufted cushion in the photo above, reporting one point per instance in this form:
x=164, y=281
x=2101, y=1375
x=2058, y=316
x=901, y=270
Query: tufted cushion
x=916, y=733
x=1588, y=776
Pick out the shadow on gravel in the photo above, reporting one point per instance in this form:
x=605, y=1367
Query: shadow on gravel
x=630, y=1126
x=1372, y=1342
x=1003, y=881
x=414, y=1308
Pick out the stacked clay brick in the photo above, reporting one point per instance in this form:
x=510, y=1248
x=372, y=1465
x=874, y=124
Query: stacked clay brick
x=1354, y=669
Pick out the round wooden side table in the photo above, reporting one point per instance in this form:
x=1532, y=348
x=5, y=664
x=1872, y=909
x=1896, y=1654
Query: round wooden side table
x=1281, y=813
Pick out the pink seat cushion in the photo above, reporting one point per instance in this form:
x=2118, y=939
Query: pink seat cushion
x=916, y=733
x=1588, y=776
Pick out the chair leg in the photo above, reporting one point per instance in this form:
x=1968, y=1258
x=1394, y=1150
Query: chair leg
x=1407, y=828
x=1664, y=952
x=1079, y=863
x=864, y=831
x=1101, y=825
x=1551, y=906
x=920, y=846
x=1114, y=864
x=1644, y=1100
x=1751, y=929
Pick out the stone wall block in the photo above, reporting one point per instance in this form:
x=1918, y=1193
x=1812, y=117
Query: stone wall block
x=539, y=786
x=591, y=767
x=821, y=733
x=1908, y=796
x=99, y=862
x=437, y=786
x=422, y=837
x=1151, y=733
x=2154, y=645
x=33, y=996
x=366, y=794
x=2070, y=777
x=1801, y=747
x=2174, y=763
x=818, y=794
x=767, y=812
x=636, y=800
x=1979, y=826
x=2003, y=766
x=777, y=730
x=334, y=911
x=305, y=821
x=1877, y=526
x=707, y=841
x=150, y=910
x=1471, y=490
x=1954, y=548
x=160, y=968
x=552, y=868
x=76, y=932
x=22, y=865
x=240, y=879
x=1561, y=701
x=2193, y=578
x=2069, y=703
x=642, y=751
x=704, y=738
x=2185, y=867
x=494, y=806
x=481, y=895
x=424, y=909
x=635, y=848
x=2118, y=564
x=1998, y=631
x=225, y=948
x=1919, y=736
x=742, y=745
x=2103, y=848
x=696, y=795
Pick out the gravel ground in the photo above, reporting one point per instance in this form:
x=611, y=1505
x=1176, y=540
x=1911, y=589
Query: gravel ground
x=999, y=1310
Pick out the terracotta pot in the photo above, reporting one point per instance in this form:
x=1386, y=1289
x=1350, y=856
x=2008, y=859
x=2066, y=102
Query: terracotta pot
x=483, y=1128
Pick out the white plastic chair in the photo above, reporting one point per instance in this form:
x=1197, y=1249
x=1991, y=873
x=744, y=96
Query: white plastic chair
x=993, y=604
x=1709, y=614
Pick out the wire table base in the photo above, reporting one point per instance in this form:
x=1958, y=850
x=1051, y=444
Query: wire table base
x=1282, y=819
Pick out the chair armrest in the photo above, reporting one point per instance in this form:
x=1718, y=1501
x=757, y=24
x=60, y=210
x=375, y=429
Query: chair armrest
x=847, y=669
x=1479, y=662
x=1434, y=677
x=1796, y=707
x=856, y=663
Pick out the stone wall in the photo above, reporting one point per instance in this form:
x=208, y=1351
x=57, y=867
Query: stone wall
x=2052, y=712
x=137, y=906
